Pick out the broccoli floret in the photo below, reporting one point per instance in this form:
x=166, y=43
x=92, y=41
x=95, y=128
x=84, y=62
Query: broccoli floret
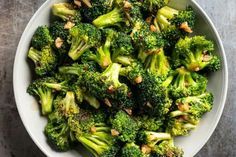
x=45, y=94
x=122, y=49
x=107, y=87
x=41, y=38
x=193, y=107
x=125, y=126
x=131, y=149
x=60, y=36
x=66, y=12
x=57, y=132
x=166, y=148
x=151, y=138
x=111, y=18
x=183, y=20
x=94, y=134
x=158, y=64
x=154, y=5
x=184, y=83
x=45, y=60
x=103, y=53
x=195, y=54
x=83, y=37
x=152, y=97
x=99, y=7
x=179, y=126
x=149, y=123
x=66, y=106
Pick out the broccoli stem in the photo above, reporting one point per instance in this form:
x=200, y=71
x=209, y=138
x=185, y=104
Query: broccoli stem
x=78, y=48
x=70, y=70
x=109, y=19
x=34, y=55
x=112, y=73
x=57, y=86
x=124, y=60
x=154, y=136
x=177, y=114
x=46, y=99
x=91, y=100
x=63, y=11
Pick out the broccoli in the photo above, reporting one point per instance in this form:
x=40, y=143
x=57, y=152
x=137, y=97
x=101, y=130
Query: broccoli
x=122, y=49
x=66, y=106
x=45, y=60
x=83, y=37
x=99, y=7
x=66, y=12
x=125, y=126
x=150, y=123
x=60, y=36
x=182, y=83
x=178, y=126
x=195, y=54
x=45, y=94
x=158, y=64
x=183, y=20
x=193, y=107
x=103, y=53
x=131, y=149
x=57, y=132
x=107, y=87
x=166, y=148
x=151, y=138
x=94, y=134
x=153, y=98
x=41, y=38
x=111, y=18
x=154, y=5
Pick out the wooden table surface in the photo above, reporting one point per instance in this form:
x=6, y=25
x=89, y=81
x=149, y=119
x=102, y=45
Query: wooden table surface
x=14, y=140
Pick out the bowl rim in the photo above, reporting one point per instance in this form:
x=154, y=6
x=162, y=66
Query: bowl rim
x=224, y=71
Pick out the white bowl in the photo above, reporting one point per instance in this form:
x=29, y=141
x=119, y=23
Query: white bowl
x=29, y=109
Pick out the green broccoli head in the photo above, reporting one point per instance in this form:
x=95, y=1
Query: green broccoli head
x=183, y=20
x=122, y=49
x=158, y=64
x=45, y=60
x=107, y=87
x=66, y=12
x=83, y=37
x=125, y=126
x=41, y=38
x=66, y=106
x=149, y=123
x=179, y=126
x=168, y=149
x=60, y=36
x=45, y=94
x=103, y=53
x=131, y=149
x=152, y=97
x=154, y=5
x=151, y=138
x=186, y=83
x=196, y=54
x=58, y=133
x=193, y=107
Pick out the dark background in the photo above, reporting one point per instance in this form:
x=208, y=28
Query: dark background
x=14, y=140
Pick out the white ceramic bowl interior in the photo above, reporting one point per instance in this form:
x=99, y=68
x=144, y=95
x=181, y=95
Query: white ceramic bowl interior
x=29, y=109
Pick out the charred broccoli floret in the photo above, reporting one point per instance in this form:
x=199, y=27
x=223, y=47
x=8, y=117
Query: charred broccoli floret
x=83, y=37
x=57, y=132
x=66, y=12
x=154, y=5
x=168, y=149
x=45, y=94
x=183, y=20
x=196, y=54
x=125, y=127
x=41, y=38
x=45, y=60
x=131, y=149
x=103, y=53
